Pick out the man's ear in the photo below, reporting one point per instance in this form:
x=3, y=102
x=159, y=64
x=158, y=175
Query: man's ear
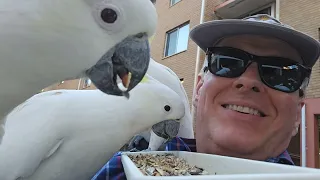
x=196, y=93
x=298, y=119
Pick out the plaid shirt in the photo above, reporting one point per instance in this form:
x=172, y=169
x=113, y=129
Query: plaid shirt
x=113, y=170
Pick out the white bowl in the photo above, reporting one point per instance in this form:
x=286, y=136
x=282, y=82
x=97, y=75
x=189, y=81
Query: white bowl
x=223, y=167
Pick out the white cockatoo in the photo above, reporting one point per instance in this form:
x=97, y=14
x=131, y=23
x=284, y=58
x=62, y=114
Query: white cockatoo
x=70, y=134
x=47, y=41
x=155, y=138
x=167, y=77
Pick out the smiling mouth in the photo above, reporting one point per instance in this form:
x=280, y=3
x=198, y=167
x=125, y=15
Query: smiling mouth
x=244, y=110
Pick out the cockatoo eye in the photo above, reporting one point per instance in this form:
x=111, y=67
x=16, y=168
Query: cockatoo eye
x=109, y=15
x=167, y=108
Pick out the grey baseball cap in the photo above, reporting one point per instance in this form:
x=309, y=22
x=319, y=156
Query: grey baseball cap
x=209, y=33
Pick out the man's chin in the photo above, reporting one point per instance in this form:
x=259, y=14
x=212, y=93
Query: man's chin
x=228, y=143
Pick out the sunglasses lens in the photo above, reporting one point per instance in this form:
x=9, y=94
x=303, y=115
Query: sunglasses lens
x=277, y=73
x=285, y=78
x=227, y=66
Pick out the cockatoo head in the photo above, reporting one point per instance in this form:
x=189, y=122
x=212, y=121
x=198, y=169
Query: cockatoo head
x=47, y=41
x=134, y=22
x=155, y=102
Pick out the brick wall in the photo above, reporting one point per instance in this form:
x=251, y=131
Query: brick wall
x=304, y=16
x=183, y=64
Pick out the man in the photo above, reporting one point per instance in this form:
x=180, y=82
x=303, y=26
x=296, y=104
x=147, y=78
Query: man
x=248, y=101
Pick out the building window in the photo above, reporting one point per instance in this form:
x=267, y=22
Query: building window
x=87, y=83
x=269, y=9
x=177, y=40
x=173, y=2
x=263, y=11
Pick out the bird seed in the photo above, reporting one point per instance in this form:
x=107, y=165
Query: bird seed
x=165, y=165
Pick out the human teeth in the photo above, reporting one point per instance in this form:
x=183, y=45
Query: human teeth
x=244, y=109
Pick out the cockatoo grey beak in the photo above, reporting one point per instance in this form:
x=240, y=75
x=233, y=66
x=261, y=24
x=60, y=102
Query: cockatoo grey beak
x=166, y=129
x=128, y=60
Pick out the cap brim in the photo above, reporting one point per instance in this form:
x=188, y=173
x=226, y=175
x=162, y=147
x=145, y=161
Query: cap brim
x=207, y=34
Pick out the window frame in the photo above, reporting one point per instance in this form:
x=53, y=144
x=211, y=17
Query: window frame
x=177, y=28
x=172, y=4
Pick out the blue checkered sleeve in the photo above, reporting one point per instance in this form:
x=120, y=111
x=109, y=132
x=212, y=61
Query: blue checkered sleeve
x=112, y=170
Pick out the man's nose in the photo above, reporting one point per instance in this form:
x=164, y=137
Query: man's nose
x=249, y=80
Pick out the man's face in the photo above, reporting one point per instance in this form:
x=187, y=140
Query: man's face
x=220, y=130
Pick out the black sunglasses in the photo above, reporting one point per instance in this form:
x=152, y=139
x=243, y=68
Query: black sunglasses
x=276, y=72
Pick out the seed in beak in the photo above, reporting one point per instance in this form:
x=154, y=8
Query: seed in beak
x=126, y=80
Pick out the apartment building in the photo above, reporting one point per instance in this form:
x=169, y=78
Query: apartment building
x=172, y=47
